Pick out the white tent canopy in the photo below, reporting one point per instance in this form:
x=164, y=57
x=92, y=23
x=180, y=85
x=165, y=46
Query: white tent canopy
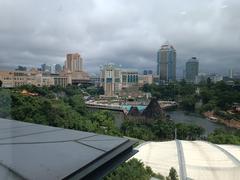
x=192, y=159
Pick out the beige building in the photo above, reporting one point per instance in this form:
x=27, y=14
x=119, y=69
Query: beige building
x=7, y=78
x=145, y=79
x=110, y=79
x=114, y=79
x=74, y=62
x=62, y=80
x=74, y=68
x=18, y=78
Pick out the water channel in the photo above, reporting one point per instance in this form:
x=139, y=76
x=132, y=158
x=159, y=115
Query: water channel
x=182, y=117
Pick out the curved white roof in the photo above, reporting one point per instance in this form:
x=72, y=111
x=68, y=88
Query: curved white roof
x=192, y=159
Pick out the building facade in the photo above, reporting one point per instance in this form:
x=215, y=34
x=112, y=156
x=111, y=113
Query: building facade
x=145, y=79
x=166, y=63
x=12, y=79
x=192, y=69
x=114, y=79
x=74, y=68
x=111, y=79
x=74, y=62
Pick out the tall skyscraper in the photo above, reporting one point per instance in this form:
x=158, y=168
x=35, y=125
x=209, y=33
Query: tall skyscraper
x=166, y=60
x=192, y=69
x=74, y=62
x=74, y=68
x=230, y=73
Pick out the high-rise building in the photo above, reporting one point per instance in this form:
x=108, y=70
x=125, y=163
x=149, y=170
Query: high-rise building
x=114, y=79
x=74, y=62
x=110, y=79
x=192, y=69
x=74, y=67
x=58, y=68
x=166, y=63
x=230, y=73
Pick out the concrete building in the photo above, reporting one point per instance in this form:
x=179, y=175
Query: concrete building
x=166, y=63
x=192, y=69
x=74, y=68
x=111, y=79
x=129, y=78
x=215, y=78
x=114, y=79
x=145, y=79
x=74, y=62
x=62, y=81
x=34, y=77
x=7, y=79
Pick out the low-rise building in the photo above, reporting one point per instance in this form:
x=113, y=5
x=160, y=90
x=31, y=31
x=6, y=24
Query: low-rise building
x=34, y=77
x=145, y=79
x=7, y=79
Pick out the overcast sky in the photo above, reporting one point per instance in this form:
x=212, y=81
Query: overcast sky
x=127, y=32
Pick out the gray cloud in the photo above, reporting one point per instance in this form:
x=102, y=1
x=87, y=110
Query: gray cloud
x=124, y=32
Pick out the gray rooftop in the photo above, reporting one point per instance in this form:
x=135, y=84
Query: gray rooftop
x=31, y=151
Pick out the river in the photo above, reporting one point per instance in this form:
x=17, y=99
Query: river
x=181, y=117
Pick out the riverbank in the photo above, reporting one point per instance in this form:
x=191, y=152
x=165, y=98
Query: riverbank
x=180, y=116
x=217, y=119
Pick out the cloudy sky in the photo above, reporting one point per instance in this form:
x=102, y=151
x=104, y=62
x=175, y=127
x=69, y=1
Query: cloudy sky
x=127, y=32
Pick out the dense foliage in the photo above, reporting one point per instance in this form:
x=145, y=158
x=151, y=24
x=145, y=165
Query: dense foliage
x=219, y=96
x=5, y=103
x=172, y=174
x=55, y=106
x=132, y=170
x=161, y=130
x=212, y=96
x=139, y=172
x=172, y=91
x=220, y=136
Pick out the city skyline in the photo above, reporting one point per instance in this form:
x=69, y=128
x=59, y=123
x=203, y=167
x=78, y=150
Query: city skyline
x=120, y=32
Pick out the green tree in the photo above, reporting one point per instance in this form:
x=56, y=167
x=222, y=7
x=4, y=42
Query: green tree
x=78, y=104
x=132, y=170
x=172, y=174
x=5, y=103
x=188, y=103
